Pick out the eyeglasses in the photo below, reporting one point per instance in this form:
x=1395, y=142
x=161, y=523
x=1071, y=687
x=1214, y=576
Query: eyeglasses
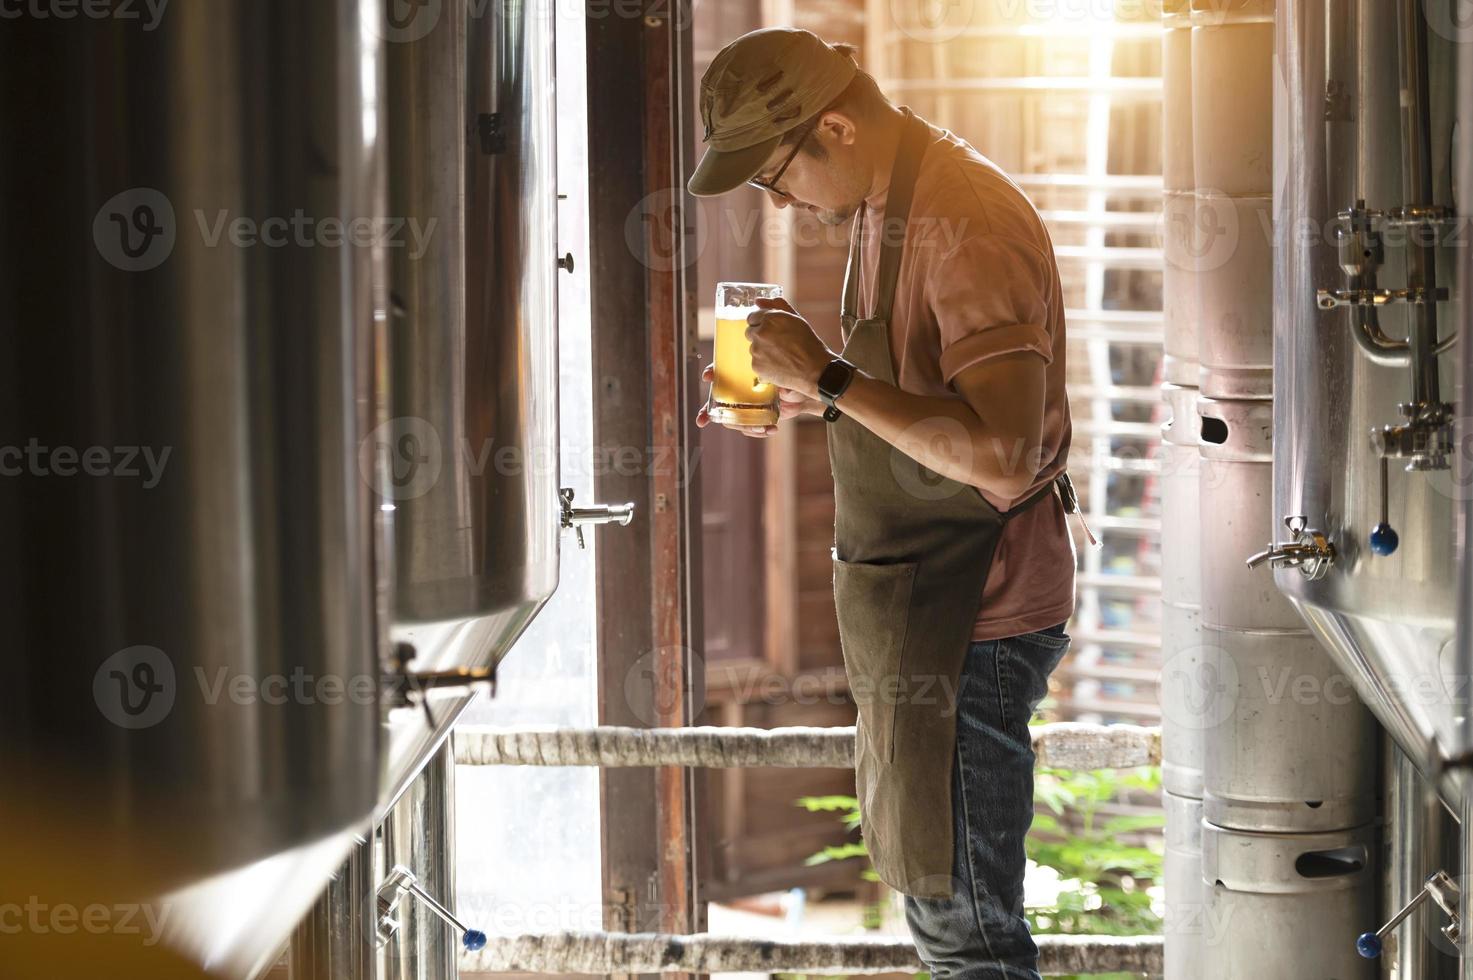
x=771, y=185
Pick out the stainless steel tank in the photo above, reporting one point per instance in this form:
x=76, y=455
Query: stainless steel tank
x=472, y=448
x=1359, y=178
x=188, y=559
x=1286, y=739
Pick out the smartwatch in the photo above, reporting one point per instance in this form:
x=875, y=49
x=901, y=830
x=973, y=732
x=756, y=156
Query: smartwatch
x=832, y=382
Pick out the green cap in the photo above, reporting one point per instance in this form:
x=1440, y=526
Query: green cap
x=758, y=87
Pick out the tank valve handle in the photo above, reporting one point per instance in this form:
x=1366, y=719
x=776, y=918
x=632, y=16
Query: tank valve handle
x=576, y=517
x=1308, y=550
x=1438, y=887
x=1384, y=538
x=401, y=882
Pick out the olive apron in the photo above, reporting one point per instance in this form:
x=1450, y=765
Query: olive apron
x=910, y=559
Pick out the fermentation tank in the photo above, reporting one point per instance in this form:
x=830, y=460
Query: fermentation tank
x=1363, y=400
x=471, y=450
x=188, y=565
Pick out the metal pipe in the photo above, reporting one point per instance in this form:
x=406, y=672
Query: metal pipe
x=419, y=834
x=1417, y=182
x=1412, y=850
x=1463, y=472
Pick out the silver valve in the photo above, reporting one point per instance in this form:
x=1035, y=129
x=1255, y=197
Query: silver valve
x=1425, y=441
x=1438, y=887
x=401, y=882
x=576, y=517
x=1361, y=253
x=1307, y=549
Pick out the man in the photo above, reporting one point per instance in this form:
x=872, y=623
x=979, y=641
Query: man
x=953, y=565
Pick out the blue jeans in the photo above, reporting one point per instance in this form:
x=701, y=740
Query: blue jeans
x=980, y=933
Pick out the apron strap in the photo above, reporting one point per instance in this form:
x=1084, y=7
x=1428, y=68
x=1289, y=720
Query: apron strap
x=849, y=305
x=1064, y=486
x=914, y=136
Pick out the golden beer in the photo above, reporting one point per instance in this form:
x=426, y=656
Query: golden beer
x=738, y=397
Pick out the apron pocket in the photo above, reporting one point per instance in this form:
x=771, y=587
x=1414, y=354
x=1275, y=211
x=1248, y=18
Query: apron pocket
x=873, y=606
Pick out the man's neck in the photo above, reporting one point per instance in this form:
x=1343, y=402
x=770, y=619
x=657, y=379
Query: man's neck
x=888, y=129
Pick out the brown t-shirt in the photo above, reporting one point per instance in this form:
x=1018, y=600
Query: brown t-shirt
x=977, y=280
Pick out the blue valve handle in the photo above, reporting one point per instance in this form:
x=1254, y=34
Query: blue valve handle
x=473, y=939
x=1370, y=944
x=1384, y=539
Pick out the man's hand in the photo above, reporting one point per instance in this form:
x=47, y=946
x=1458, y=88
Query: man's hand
x=790, y=404
x=785, y=350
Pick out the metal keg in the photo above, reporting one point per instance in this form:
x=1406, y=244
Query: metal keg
x=1176, y=96
x=1184, y=690
x=1178, y=279
x=1286, y=905
x=1186, y=898
x=1286, y=754
x=1181, y=463
x=1180, y=294
x=1233, y=273
x=1232, y=96
x=1181, y=594
x=1236, y=484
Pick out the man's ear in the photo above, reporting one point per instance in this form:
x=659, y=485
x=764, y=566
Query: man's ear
x=838, y=126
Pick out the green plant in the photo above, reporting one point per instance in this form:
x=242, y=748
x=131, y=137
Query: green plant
x=848, y=809
x=1102, y=880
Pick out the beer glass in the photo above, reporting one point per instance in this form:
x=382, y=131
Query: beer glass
x=737, y=396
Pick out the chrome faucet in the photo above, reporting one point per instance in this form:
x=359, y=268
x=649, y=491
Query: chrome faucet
x=1307, y=549
x=576, y=517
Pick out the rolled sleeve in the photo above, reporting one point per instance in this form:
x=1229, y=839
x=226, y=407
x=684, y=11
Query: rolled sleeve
x=990, y=297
